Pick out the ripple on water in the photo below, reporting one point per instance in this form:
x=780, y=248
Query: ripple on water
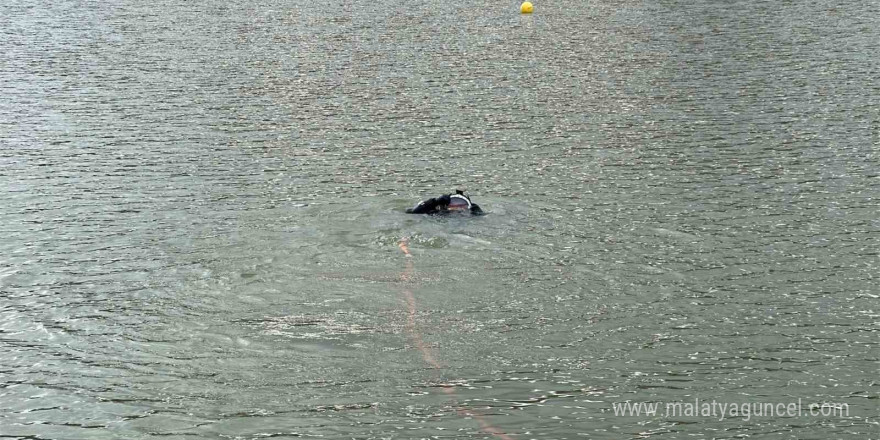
x=204, y=200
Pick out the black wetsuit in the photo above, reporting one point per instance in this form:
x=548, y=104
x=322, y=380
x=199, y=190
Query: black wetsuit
x=440, y=205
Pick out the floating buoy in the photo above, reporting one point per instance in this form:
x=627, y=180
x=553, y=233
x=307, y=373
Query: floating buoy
x=526, y=8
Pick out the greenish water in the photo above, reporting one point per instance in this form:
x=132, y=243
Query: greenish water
x=203, y=202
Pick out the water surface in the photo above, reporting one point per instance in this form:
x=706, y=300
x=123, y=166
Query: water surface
x=203, y=202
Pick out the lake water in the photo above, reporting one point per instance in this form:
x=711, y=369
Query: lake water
x=202, y=218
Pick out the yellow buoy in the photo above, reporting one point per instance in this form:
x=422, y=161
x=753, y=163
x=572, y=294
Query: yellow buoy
x=526, y=8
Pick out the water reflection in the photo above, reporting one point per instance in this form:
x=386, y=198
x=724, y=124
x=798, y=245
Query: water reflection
x=204, y=204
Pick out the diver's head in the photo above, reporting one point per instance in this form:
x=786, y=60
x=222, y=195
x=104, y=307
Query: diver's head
x=459, y=202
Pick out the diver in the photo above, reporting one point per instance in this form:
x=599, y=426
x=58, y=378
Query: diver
x=446, y=204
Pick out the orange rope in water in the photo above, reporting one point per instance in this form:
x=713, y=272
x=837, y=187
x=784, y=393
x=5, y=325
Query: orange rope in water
x=427, y=354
